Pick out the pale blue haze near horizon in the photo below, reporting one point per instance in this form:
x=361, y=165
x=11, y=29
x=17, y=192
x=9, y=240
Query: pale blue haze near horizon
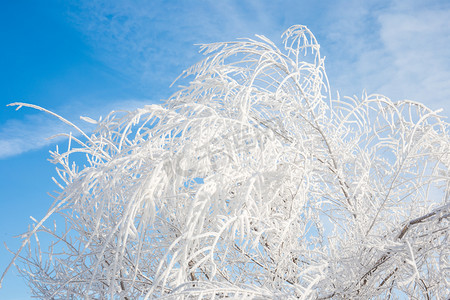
x=90, y=57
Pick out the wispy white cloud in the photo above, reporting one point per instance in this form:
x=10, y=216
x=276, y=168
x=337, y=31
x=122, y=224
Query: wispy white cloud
x=34, y=130
x=417, y=43
x=153, y=41
x=397, y=48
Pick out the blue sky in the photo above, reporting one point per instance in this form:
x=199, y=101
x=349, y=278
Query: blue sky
x=90, y=57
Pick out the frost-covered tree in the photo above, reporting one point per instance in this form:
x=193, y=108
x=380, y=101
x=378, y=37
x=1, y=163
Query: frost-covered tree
x=251, y=182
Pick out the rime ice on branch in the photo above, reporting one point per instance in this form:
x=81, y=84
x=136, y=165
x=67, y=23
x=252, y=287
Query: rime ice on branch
x=251, y=182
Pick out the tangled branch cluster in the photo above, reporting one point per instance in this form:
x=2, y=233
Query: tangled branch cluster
x=251, y=182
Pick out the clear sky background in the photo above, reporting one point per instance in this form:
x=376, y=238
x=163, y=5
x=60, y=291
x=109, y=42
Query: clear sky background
x=89, y=57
